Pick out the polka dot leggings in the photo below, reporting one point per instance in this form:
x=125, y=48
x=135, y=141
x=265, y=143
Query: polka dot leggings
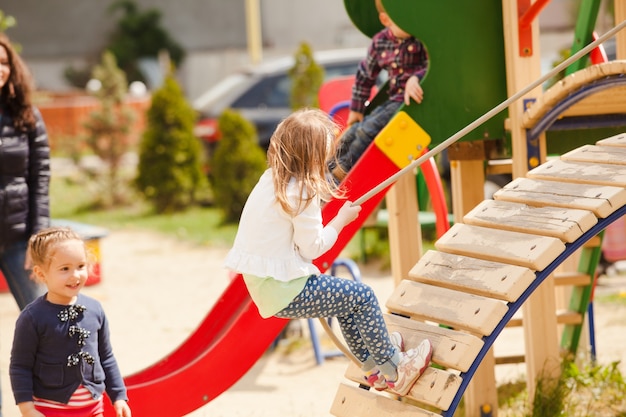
x=356, y=308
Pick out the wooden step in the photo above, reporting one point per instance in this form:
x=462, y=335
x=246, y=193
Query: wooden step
x=600, y=200
x=459, y=310
x=573, y=278
x=489, y=279
x=562, y=223
x=597, y=155
x=617, y=140
x=580, y=173
x=357, y=402
x=522, y=249
x=451, y=348
x=434, y=388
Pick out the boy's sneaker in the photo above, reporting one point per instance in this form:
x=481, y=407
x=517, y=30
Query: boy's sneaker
x=377, y=379
x=412, y=364
x=339, y=173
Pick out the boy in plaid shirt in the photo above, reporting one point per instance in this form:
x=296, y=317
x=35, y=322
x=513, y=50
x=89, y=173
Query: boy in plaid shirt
x=406, y=61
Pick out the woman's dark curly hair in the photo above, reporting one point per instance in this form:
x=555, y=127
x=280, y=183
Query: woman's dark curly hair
x=15, y=100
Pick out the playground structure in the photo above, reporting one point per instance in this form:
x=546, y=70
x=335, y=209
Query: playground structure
x=541, y=322
x=485, y=268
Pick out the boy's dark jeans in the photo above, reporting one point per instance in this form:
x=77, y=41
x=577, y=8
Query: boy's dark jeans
x=358, y=137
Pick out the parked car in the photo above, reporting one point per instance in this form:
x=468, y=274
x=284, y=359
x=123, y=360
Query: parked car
x=261, y=93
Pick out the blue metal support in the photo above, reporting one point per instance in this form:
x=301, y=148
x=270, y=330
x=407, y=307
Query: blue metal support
x=556, y=111
x=570, y=248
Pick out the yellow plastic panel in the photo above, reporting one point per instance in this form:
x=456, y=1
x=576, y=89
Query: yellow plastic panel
x=402, y=140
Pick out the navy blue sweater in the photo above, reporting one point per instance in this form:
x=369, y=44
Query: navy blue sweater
x=58, y=347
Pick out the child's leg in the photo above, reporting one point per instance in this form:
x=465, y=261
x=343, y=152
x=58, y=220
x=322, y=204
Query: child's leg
x=364, y=330
x=357, y=311
x=361, y=134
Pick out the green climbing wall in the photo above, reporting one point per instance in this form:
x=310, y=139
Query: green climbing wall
x=466, y=76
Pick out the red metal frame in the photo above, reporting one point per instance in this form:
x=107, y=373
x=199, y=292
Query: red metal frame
x=526, y=13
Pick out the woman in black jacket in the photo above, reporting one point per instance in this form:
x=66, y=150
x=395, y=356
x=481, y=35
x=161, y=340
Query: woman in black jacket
x=24, y=173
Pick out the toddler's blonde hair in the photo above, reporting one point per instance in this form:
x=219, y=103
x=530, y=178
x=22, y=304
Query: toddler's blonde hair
x=41, y=245
x=300, y=148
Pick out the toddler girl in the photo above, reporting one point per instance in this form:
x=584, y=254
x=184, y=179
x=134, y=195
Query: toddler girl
x=61, y=359
x=281, y=232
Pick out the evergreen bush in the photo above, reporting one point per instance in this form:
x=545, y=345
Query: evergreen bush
x=307, y=77
x=237, y=164
x=107, y=130
x=170, y=166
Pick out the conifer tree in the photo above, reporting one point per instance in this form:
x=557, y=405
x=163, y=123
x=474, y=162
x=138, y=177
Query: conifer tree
x=170, y=167
x=108, y=127
x=237, y=164
x=306, y=77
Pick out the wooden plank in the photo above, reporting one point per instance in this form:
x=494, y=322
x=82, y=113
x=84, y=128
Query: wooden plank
x=580, y=173
x=476, y=314
x=597, y=154
x=434, y=388
x=569, y=84
x=357, y=402
x=489, y=279
x=467, y=177
x=561, y=223
x=617, y=140
x=523, y=249
x=510, y=359
x=499, y=166
x=609, y=101
x=451, y=348
x=600, y=200
x=405, y=233
x=594, y=242
x=574, y=278
x=562, y=317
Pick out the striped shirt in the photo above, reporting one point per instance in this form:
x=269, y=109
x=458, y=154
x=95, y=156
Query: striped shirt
x=81, y=398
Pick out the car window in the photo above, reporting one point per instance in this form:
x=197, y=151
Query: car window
x=340, y=70
x=272, y=91
x=216, y=93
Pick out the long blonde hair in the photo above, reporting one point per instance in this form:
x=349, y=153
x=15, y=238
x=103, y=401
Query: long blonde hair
x=300, y=148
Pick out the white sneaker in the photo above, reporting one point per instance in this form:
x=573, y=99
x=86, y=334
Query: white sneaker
x=376, y=379
x=397, y=341
x=412, y=364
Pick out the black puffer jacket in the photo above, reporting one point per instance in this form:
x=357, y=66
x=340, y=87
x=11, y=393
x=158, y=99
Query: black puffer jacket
x=24, y=181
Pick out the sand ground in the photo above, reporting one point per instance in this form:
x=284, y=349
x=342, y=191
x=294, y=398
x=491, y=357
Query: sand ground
x=156, y=290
